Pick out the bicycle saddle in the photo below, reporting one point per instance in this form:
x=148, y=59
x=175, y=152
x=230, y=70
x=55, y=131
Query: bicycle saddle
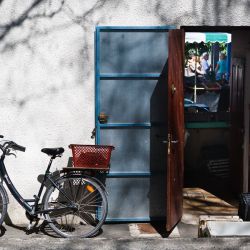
x=53, y=151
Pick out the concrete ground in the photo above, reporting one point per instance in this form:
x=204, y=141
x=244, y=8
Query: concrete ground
x=135, y=235
x=117, y=236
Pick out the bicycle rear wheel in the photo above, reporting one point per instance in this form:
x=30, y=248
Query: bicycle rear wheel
x=79, y=207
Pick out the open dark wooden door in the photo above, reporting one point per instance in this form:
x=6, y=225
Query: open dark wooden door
x=175, y=140
x=237, y=124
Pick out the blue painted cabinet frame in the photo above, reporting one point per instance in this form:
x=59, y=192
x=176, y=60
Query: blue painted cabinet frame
x=99, y=76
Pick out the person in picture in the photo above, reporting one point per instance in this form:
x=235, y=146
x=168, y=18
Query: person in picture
x=205, y=66
x=221, y=68
x=193, y=65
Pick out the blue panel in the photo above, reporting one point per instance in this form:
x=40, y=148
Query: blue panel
x=142, y=219
x=97, y=84
x=132, y=149
x=128, y=198
x=134, y=28
x=133, y=52
x=128, y=175
x=126, y=125
x=116, y=97
x=130, y=76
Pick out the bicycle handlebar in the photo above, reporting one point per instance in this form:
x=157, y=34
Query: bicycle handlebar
x=17, y=147
x=10, y=144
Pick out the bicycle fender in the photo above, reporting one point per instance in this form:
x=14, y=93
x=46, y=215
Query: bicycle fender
x=2, y=188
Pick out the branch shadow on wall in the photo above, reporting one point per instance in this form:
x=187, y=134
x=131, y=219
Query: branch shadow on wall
x=201, y=12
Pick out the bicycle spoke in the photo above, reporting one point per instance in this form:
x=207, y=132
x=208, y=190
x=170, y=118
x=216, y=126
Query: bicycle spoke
x=85, y=197
x=58, y=203
x=87, y=217
x=95, y=203
x=73, y=217
x=70, y=188
x=95, y=199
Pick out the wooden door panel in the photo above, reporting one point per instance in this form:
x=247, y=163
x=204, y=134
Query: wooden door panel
x=175, y=149
x=237, y=124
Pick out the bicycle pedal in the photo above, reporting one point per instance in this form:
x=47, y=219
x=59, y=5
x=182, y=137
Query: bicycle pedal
x=32, y=225
x=29, y=227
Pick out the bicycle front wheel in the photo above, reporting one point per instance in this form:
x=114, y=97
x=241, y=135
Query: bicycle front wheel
x=78, y=207
x=3, y=204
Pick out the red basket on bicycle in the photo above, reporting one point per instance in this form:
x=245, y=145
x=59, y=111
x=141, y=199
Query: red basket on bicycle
x=91, y=156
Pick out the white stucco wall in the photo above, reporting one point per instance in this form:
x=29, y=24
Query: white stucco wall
x=47, y=69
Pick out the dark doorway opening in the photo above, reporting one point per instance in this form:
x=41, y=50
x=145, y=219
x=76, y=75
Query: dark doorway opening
x=217, y=144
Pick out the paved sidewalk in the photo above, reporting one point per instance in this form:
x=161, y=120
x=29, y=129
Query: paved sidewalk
x=133, y=235
x=114, y=236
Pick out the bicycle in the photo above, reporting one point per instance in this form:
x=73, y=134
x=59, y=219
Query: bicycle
x=74, y=204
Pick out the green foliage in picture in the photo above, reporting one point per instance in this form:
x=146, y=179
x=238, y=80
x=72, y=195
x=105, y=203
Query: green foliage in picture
x=199, y=48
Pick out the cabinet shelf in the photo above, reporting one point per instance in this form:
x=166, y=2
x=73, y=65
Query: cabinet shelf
x=193, y=125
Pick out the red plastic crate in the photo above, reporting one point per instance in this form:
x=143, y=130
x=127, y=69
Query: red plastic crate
x=91, y=156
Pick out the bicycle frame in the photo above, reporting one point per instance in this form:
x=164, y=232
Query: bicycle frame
x=31, y=209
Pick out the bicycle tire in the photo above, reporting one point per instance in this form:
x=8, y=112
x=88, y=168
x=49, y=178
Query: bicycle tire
x=3, y=204
x=91, y=207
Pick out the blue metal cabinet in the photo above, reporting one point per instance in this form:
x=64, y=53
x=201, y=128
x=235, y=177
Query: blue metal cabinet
x=129, y=65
